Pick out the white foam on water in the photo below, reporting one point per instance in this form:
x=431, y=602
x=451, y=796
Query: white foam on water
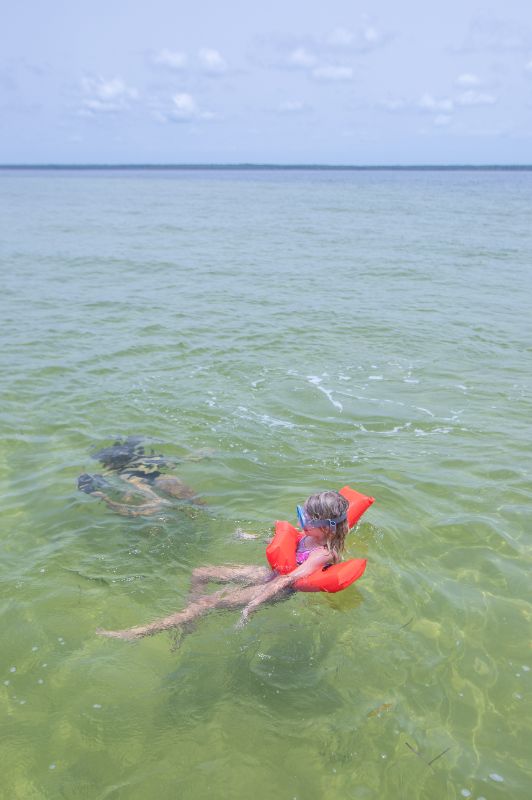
x=211, y=400
x=265, y=419
x=497, y=778
x=433, y=432
x=315, y=381
x=375, y=378
x=426, y=410
x=399, y=428
x=391, y=402
x=455, y=416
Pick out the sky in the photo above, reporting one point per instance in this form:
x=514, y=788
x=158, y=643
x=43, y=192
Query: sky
x=288, y=82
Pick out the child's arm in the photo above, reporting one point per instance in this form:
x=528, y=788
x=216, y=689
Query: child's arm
x=316, y=560
x=126, y=510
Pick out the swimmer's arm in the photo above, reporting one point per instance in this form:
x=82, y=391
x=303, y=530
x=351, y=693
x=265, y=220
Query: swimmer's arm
x=315, y=561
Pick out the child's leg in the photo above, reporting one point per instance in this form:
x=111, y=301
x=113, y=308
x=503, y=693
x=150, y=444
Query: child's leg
x=229, y=573
x=237, y=598
x=175, y=487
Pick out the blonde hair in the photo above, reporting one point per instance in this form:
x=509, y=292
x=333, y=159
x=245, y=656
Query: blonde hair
x=328, y=505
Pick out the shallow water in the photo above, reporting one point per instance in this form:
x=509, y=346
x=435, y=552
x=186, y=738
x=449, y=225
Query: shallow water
x=307, y=330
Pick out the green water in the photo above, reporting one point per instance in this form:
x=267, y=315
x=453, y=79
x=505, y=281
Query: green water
x=308, y=330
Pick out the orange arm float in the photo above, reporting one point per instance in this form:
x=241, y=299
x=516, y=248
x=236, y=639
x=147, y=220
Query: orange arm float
x=281, y=552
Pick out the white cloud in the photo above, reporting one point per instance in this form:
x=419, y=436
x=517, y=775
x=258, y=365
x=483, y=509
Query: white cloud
x=441, y=107
x=429, y=103
x=467, y=79
x=300, y=57
x=474, y=98
x=371, y=35
x=318, y=53
x=394, y=104
x=172, y=59
x=497, y=35
x=340, y=37
x=367, y=37
x=292, y=107
x=333, y=73
x=212, y=61
x=184, y=108
x=106, y=95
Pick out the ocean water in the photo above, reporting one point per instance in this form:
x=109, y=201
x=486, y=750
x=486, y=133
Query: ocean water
x=275, y=333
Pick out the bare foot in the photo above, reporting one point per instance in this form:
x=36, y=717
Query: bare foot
x=241, y=534
x=199, y=455
x=127, y=635
x=180, y=632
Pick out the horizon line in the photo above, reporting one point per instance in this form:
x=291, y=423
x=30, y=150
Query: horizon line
x=261, y=166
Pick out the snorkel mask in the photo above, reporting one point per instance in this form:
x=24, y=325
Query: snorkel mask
x=305, y=522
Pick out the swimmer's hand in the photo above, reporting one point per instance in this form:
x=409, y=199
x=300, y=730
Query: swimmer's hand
x=127, y=635
x=240, y=534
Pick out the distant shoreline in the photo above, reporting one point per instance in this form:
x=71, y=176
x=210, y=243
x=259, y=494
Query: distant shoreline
x=276, y=167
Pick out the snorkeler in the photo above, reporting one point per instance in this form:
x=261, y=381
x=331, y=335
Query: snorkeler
x=325, y=526
x=143, y=475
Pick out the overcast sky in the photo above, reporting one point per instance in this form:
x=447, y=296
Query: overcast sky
x=288, y=81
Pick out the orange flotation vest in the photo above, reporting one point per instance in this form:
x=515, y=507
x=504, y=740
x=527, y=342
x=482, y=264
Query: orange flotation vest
x=281, y=552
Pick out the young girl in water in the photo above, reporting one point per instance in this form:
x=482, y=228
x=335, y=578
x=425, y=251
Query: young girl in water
x=324, y=521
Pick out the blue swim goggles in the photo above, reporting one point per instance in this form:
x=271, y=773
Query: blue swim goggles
x=318, y=523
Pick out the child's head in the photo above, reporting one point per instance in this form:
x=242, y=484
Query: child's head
x=119, y=454
x=329, y=505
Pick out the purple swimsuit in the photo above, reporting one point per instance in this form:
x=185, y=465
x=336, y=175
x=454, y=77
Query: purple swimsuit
x=302, y=553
